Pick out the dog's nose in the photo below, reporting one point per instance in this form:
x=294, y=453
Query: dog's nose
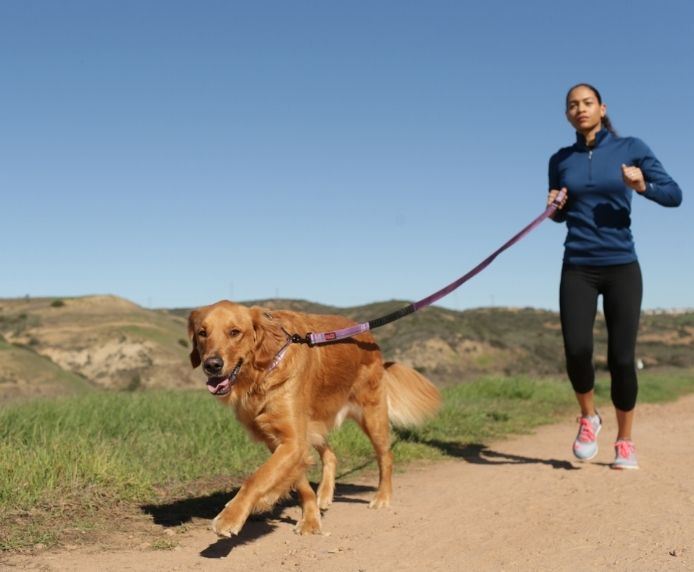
x=213, y=365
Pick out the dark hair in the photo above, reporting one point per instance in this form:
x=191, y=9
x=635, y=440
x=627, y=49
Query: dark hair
x=606, y=123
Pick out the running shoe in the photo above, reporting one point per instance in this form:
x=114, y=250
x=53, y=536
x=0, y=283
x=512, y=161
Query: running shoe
x=625, y=455
x=586, y=443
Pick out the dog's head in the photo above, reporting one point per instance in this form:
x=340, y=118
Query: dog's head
x=229, y=338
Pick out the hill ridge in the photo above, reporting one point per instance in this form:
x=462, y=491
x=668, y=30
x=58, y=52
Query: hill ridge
x=106, y=341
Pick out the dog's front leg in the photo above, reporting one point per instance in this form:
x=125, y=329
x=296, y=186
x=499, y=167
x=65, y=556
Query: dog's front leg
x=272, y=479
x=310, y=515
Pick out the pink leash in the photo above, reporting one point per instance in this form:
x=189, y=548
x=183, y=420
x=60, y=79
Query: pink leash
x=325, y=337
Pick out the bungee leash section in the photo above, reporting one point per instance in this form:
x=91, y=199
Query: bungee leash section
x=313, y=339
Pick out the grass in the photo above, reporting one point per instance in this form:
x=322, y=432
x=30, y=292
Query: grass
x=120, y=444
x=67, y=460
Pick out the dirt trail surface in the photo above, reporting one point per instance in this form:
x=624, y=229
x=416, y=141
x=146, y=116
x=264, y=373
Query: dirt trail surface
x=520, y=504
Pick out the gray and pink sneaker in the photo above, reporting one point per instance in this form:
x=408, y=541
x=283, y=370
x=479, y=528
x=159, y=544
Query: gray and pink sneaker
x=625, y=455
x=586, y=443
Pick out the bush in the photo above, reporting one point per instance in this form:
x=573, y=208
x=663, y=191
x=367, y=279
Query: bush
x=135, y=383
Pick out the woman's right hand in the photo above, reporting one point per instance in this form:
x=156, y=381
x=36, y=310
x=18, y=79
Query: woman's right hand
x=553, y=195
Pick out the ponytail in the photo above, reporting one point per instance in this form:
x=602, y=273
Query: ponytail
x=607, y=124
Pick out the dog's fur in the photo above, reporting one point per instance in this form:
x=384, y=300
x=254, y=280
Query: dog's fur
x=293, y=404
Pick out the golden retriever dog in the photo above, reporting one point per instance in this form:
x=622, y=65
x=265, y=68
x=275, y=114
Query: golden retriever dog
x=291, y=400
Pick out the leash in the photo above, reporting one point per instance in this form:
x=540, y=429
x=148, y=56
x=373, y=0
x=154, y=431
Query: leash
x=312, y=339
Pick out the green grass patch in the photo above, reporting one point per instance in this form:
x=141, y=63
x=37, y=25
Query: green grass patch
x=84, y=453
x=122, y=444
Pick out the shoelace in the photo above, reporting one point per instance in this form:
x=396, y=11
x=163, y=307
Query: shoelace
x=586, y=433
x=624, y=449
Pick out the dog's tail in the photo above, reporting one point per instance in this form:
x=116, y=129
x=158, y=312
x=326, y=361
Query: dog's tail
x=412, y=398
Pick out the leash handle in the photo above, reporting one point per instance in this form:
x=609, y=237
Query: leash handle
x=326, y=337
x=556, y=203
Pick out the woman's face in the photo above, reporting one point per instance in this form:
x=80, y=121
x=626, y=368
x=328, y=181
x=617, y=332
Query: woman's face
x=583, y=110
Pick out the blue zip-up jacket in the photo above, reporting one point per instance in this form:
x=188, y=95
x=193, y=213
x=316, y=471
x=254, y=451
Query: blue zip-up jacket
x=598, y=209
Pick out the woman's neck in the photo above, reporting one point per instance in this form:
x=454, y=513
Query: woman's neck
x=590, y=135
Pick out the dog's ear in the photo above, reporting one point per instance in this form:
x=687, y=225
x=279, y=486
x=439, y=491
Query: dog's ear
x=192, y=326
x=269, y=337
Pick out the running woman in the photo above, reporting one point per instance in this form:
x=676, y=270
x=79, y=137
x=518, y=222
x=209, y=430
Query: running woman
x=599, y=174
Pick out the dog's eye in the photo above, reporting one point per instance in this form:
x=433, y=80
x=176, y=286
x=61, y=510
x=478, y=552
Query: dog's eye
x=234, y=332
x=202, y=333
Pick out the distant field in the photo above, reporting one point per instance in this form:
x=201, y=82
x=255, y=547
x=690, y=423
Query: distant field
x=65, y=463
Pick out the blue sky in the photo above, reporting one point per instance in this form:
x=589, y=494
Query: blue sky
x=175, y=153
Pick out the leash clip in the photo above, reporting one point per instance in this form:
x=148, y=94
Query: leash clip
x=297, y=339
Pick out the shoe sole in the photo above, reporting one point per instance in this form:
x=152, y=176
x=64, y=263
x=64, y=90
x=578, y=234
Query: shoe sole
x=624, y=467
x=586, y=458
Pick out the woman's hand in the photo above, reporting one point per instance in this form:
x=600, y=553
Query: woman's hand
x=553, y=195
x=633, y=177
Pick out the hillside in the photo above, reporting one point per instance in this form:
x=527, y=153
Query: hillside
x=103, y=341
x=24, y=373
x=50, y=346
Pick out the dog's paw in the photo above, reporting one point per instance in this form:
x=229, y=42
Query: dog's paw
x=380, y=501
x=325, y=497
x=308, y=526
x=225, y=525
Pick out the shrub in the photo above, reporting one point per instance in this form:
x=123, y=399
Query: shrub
x=135, y=383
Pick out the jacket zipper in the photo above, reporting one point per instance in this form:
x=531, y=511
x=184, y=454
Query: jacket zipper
x=590, y=165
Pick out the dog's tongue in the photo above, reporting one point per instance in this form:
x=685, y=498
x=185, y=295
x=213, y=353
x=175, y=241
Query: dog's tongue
x=218, y=384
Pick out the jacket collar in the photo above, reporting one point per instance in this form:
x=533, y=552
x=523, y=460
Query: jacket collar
x=600, y=136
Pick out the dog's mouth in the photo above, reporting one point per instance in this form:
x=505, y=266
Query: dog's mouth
x=222, y=385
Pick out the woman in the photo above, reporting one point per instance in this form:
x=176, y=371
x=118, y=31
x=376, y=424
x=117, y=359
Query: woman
x=598, y=174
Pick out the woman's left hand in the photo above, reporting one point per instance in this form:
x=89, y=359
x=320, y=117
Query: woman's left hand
x=633, y=177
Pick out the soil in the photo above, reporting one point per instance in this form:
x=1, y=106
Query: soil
x=518, y=504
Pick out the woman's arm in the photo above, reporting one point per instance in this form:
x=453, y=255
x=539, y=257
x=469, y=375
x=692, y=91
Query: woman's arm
x=659, y=186
x=558, y=215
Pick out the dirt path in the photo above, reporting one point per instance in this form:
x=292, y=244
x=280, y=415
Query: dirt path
x=520, y=504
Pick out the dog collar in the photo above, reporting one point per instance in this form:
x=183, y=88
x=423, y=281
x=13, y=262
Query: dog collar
x=280, y=354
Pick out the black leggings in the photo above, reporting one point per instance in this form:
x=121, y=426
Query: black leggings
x=621, y=288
